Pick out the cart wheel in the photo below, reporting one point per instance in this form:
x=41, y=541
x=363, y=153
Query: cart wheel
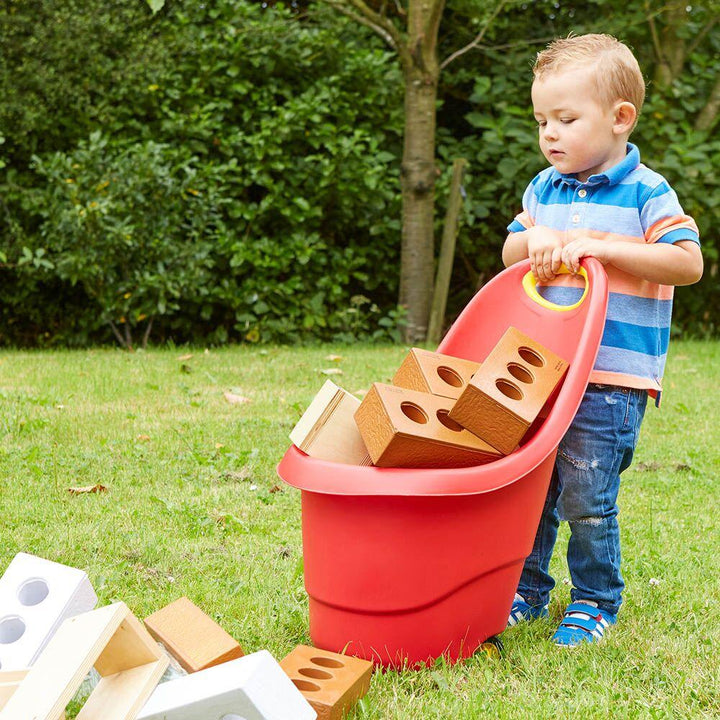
x=492, y=647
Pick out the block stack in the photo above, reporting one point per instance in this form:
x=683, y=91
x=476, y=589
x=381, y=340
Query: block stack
x=439, y=411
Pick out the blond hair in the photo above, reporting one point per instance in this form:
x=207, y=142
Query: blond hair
x=617, y=73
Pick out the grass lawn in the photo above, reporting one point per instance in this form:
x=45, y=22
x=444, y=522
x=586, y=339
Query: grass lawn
x=193, y=507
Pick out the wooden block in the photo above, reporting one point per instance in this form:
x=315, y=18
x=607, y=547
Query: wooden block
x=36, y=595
x=508, y=392
x=253, y=687
x=405, y=428
x=332, y=683
x=327, y=429
x=9, y=682
x=130, y=664
x=431, y=372
x=193, y=638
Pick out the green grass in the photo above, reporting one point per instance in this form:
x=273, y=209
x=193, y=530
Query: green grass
x=193, y=507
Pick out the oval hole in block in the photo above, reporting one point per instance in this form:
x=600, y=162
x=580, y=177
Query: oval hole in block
x=531, y=357
x=33, y=592
x=448, y=422
x=449, y=376
x=233, y=717
x=12, y=628
x=305, y=685
x=520, y=372
x=327, y=662
x=509, y=389
x=414, y=412
x=315, y=673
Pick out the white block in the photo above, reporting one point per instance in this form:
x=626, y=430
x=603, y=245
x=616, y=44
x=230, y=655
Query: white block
x=36, y=595
x=253, y=687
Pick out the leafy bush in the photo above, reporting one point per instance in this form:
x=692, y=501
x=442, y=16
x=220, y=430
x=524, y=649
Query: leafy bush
x=230, y=170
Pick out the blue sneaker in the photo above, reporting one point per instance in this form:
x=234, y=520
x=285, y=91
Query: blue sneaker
x=583, y=622
x=520, y=611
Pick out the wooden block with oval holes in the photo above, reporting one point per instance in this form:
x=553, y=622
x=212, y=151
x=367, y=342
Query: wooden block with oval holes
x=432, y=372
x=509, y=390
x=193, y=638
x=406, y=428
x=111, y=639
x=331, y=683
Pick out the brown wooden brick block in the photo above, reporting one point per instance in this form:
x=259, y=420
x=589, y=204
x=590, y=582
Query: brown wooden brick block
x=193, y=638
x=432, y=372
x=405, y=428
x=327, y=429
x=509, y=390
x=330, y=682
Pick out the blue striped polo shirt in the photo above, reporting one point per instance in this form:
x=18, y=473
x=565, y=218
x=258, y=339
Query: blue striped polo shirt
x=628, y=202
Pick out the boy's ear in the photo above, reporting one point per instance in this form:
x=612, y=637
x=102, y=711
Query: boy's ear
x=625, y=117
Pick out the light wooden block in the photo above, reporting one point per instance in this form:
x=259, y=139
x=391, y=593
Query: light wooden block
x=327, y=429
x=193, y=638
x=130, y=664
x=36, y=595
x=332, y=683
x=508, y=392
x=9, y=683
x=253, y=687
x=432, y=372
x=405, y=428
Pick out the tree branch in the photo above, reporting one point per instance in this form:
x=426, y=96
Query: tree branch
x=478, y=38
x=701, y=35
x=146, y=334
x=432, y=26
x=709, y=114
x=654, y=34
x=392, y=39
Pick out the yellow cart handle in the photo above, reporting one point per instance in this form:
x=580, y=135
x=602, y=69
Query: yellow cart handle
x=528, y=283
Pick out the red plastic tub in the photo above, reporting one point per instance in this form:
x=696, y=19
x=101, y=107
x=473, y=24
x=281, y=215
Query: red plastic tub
x=403, y=566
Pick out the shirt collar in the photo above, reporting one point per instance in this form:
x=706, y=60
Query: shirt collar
x=612, y=176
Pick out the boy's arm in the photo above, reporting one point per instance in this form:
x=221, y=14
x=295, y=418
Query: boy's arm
x=538, y=243
x=680, y=263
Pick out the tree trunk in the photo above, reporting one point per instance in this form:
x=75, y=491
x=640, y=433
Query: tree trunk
x=418, y=173
x=670, y=47
x=418, y=193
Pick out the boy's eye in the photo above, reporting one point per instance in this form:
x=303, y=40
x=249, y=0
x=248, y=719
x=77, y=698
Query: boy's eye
x=542, y=123
x=567, y=121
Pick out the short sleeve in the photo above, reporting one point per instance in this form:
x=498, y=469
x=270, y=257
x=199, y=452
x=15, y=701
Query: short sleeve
x=526, y=219
x=663, y=219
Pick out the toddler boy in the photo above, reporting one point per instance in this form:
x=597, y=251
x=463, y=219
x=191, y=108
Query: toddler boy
x=598, y=200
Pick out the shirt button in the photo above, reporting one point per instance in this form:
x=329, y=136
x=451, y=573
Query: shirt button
x=576, y=218
x=582, y=193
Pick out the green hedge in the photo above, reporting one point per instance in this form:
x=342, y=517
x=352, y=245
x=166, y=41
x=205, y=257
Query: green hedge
x=230, y=172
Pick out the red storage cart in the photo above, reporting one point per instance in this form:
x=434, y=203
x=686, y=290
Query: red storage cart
x=403, y=566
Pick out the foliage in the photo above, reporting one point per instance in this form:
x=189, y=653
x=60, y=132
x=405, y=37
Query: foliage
x=255, y=150
x=231, y=196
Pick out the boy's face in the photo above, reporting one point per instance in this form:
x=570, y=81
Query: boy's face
x=577, y=134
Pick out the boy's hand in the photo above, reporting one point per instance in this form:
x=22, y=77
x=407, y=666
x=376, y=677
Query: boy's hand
x=582, y=247
x=545, y=252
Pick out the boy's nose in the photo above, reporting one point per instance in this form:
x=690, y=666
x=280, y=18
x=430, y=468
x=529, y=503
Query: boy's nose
x=550, y=132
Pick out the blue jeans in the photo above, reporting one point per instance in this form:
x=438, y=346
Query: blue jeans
x=598, y=446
